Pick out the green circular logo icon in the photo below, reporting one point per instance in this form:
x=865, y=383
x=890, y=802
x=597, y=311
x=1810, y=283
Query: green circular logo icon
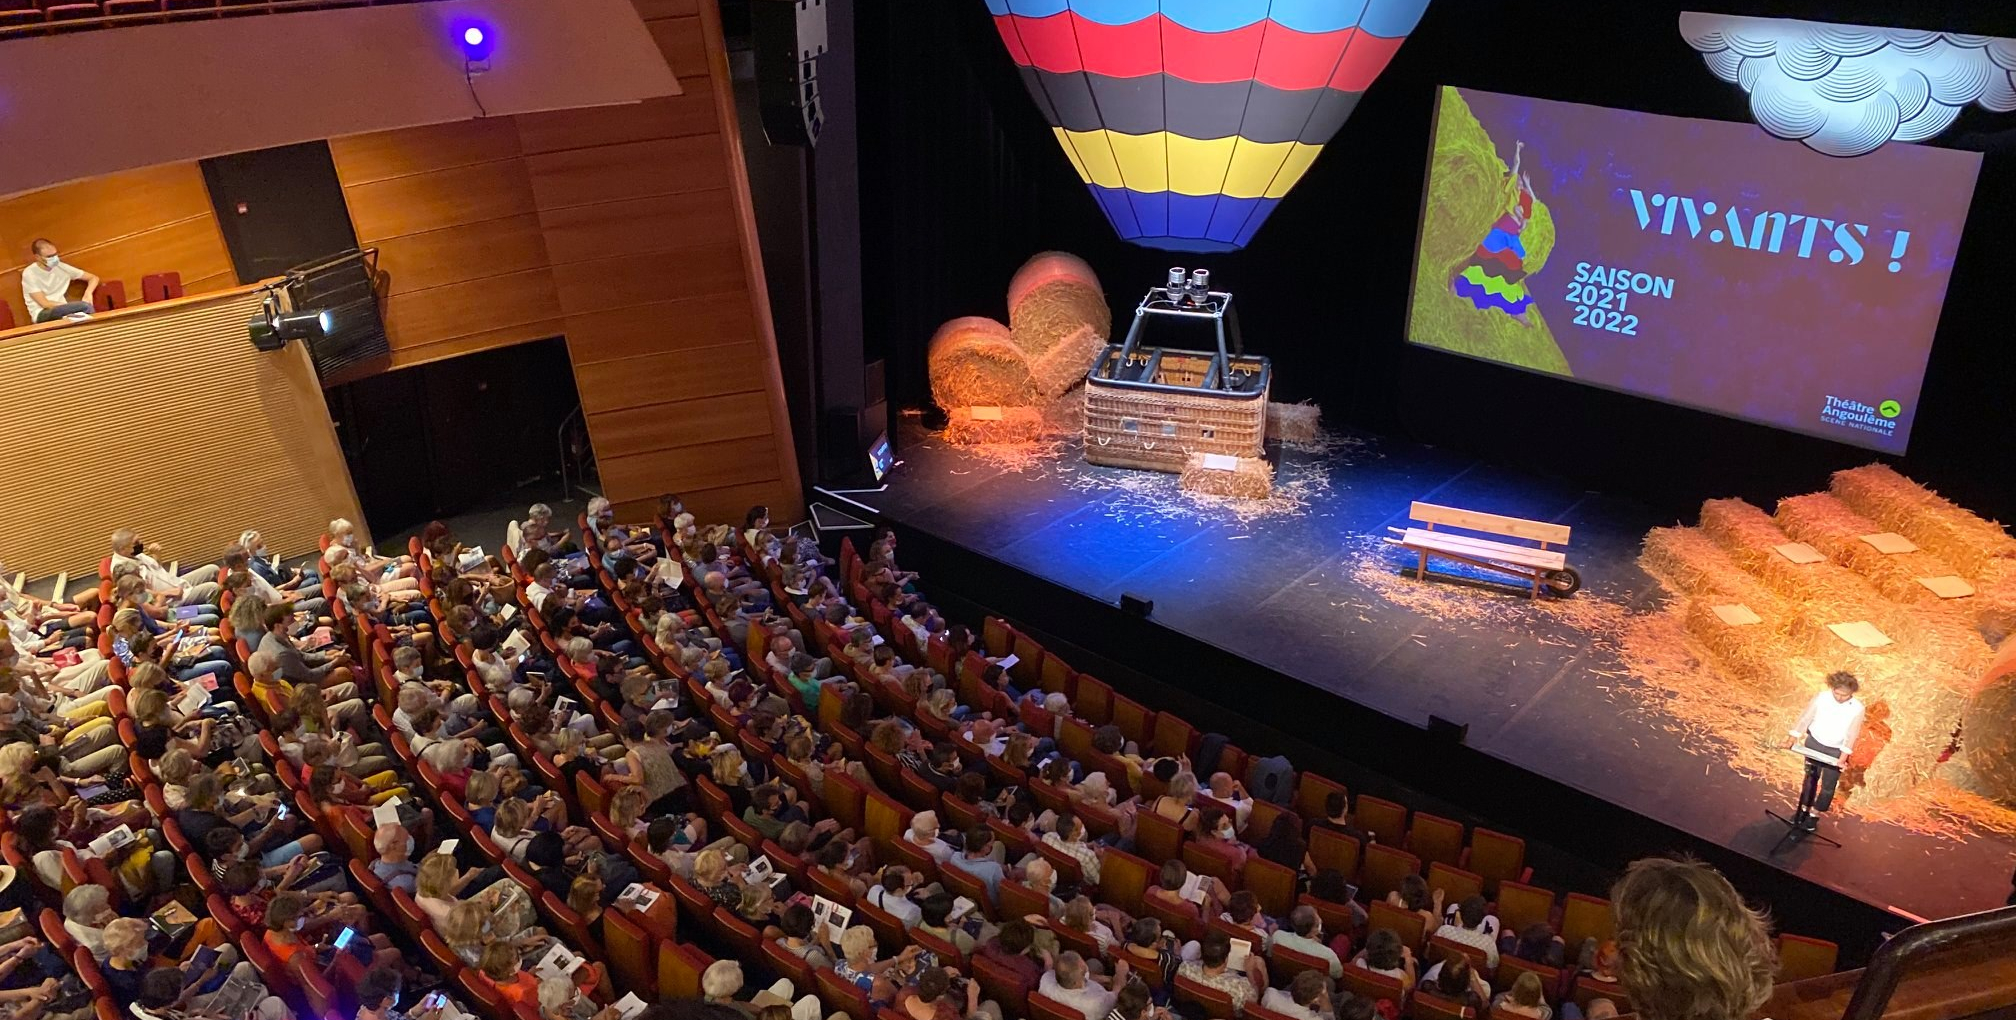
x=1889, y=409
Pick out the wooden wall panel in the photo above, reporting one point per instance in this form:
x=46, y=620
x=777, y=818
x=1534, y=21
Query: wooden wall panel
x=660, y=378
x=494, y=303
x=659, y=223
x=643, y=277
x=671, y=117
x=684, y=45
x=362, y=159
x=633, y=170
x=121, y=226
x=458, y=254
x=397, y=206
x=244, y=440
x=612, y=334
x=629, y=230
x=702, y=466
x=664, y=426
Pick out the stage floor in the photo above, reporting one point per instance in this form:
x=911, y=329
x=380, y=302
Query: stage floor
x=1304, y=585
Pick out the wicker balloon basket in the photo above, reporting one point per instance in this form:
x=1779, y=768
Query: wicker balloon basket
x=1156, y=427
x=1153, y=407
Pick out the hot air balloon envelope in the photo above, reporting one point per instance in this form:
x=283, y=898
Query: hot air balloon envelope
x=1190, y=119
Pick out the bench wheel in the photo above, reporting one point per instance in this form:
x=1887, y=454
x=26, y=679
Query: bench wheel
x=1562, y=583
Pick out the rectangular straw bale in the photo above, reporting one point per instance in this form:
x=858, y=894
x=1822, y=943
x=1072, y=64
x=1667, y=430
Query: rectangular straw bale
x=1756, y=656
x=1687, y=559
x=1293, y=423
x=1252, y=479
x=1831, y=526
x=1970, y=543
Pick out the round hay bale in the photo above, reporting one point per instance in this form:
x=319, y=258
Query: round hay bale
x=974, y=360
x=1988, y=729
x=1064, y=365
x=1054, y=312
x=1048, y=267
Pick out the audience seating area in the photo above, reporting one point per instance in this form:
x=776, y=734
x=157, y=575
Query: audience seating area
x=111, y=294
x=853, y=790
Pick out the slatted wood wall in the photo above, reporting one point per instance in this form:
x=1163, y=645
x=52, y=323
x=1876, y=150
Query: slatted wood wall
x=164, y=419
x=121, y=226
x=626, y=229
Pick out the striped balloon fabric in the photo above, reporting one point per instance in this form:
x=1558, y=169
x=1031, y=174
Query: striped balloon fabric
x=1190, y=119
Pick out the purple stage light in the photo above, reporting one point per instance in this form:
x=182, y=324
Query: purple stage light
x=477, y=41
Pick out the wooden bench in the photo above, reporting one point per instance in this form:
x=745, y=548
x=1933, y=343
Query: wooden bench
x=1539, y=565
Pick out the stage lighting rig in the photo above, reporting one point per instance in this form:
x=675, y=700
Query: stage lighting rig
x=272, y=330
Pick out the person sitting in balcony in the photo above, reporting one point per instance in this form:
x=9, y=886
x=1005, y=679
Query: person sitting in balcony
x=45, y=285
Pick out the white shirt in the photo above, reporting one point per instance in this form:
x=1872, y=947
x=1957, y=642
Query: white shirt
x=54, y=283
x=1831, y=723
x=536, y=595
x=896, y=906
x=158, y=579
x=1090, y=999
x=1474, y=937
x=264, y=589
x=1283, y=1003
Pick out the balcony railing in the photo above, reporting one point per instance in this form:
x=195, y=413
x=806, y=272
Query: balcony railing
x=27, y=18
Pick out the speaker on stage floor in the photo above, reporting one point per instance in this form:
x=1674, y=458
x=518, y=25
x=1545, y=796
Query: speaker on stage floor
x=1135, y=605
x=789, y=37
x=1441, y=729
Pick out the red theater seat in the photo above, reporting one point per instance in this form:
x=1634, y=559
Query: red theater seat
x=14, y=14
x=189, y=5
x=111, y=293
x=72, y=11
x=160, y=286
x=132, y=8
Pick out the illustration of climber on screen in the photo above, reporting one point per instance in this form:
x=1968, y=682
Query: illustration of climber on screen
x=1493, y=275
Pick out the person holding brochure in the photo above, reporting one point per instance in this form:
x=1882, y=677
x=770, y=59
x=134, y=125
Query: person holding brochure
x=1828, y=728
x=1242, y=979
x=808, y=937
x=1178, y=887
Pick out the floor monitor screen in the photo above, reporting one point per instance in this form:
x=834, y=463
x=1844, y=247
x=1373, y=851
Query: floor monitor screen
x=881, y=456
x=1702, y=263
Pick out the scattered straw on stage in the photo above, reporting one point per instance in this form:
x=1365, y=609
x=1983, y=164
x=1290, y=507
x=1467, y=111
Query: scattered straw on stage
x=969, y=426
x=1729, y=690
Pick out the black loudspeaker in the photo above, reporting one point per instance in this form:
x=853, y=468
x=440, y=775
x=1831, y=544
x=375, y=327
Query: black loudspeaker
x=789, y=36
x=1442, y=730
x=1135, y=605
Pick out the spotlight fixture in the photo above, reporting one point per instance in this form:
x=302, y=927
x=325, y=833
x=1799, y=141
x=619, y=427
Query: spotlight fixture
x=313, y=324
x=271, y=331
x=476, y=40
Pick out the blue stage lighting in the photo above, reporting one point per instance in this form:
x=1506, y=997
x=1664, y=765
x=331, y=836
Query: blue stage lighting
x=477, y=41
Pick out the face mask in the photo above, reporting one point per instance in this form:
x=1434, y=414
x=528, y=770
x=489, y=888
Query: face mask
x=51, y=260
x=1224, y=832
x=350, y=541
x=409, y=846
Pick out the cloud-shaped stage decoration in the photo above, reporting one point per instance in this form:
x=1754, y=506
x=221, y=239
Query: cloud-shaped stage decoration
x=1189, y=120
x=1845, y=90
